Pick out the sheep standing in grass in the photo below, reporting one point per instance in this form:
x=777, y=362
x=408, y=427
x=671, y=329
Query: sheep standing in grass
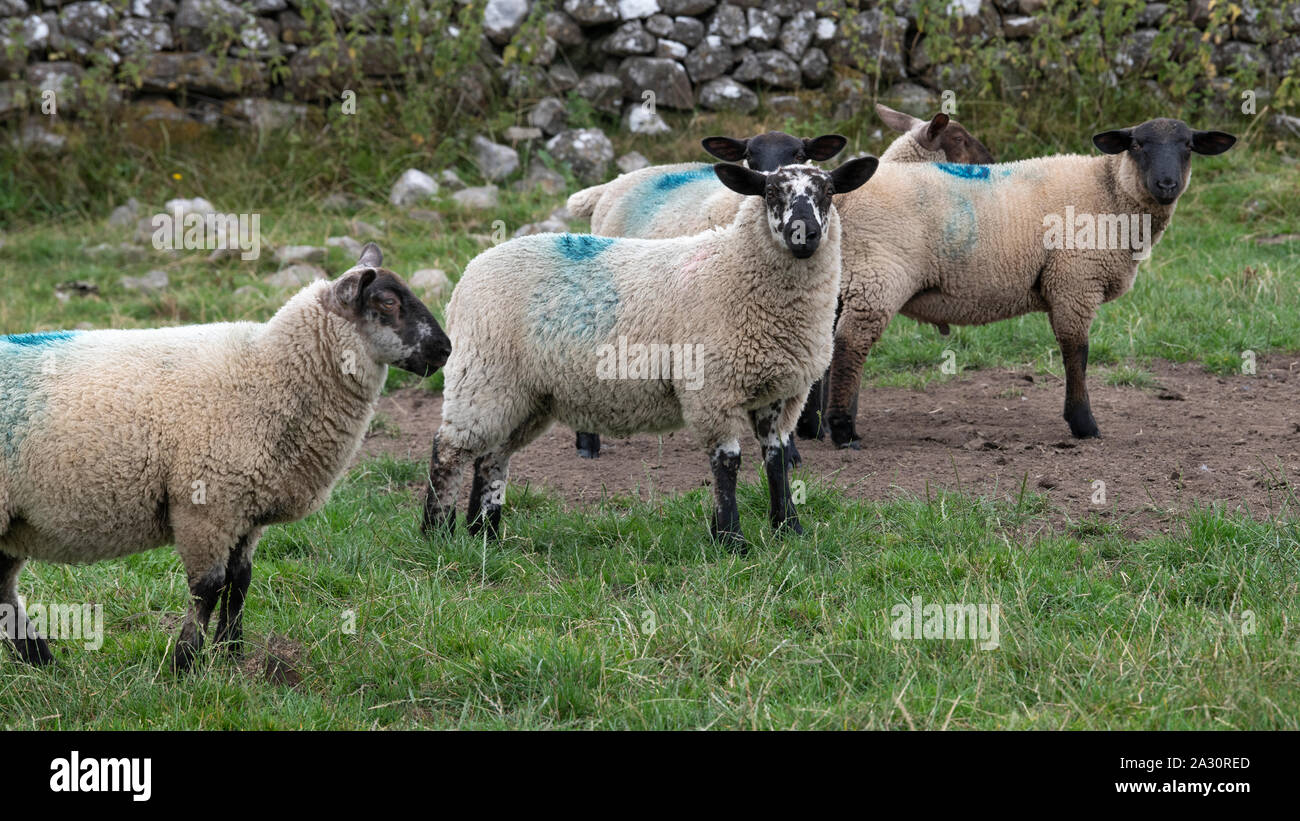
x=687, y=198
x=114, y=442
x=536, y=323
x=969, y=245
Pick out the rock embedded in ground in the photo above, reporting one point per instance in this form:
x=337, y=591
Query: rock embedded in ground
x=585, y=150
x=412, y=187
x=632, y=161
x=495, y=161
x=151, y=283
x=479, y=198
x=433, y=283
x=288, y=254
x=296, y=276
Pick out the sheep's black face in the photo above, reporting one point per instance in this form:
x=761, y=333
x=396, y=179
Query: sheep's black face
x=1162, y=150
x=770, y=151
x=396, y=325
x=798, y=197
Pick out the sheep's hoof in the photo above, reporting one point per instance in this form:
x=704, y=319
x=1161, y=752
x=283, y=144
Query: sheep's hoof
x=589, y=445
x=1082, y=425
x=790, y=527
x=587, y=453
x=809, y=430
x=35, y=652
x=438, y=520
x=183, y=657
x=851, y=444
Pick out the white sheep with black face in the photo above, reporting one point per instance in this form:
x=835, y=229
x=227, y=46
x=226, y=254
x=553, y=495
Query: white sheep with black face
x=968, y=245
x=532, y=319
x=687, y=198
x=116, y=442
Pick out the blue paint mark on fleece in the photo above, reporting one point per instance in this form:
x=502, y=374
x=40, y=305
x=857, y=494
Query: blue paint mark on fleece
x=663, y=190
x=21, y=360
x=577, y=247
x=579, y=299
x=965, y=172
x=961, y=231
x=35, y=340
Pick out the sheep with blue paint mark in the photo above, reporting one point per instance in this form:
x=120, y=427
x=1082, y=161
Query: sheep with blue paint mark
x=968, y=245
x=534, y=321
x=115, y=442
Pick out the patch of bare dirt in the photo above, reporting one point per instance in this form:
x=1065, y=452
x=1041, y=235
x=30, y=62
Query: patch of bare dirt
x=1196, y=438
x=277, y=661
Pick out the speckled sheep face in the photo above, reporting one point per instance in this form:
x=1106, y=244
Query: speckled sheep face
x=798, y=197
x=770, y=151
x=395, y=324
x=1161, y=150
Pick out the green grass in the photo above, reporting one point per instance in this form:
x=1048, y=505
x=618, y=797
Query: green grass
x=628, y=617
x=625, y=615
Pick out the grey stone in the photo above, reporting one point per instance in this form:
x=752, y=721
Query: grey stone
x=587, y=151
x=815, y=67
x=710, y=59
x=264, y=115
x=561, y=77
x=550, y=115
x=1020, y=26
x=603, y=91
x=666, y=78
x=135, y=35
x=660, y=25
x=502, y=18
x=412, y=187
x=547, y=226
x=786, y=105
x=539, y=177
x=632, y=161
x=729, y=23
x=351, y=247
x=563, y=29
x=90, y=21
x=629, y=39
x=480, y=198
x=911, y=98
x=686, y=7
x=495, y=161
x=296, y=276
x=591, y=12
x=725, y=94
x=521, y=134
x=289, y=254
x=432, y=283
x=637, y=9
x=870, y=37
x=200, y=23
x=763, y=26
x=638, y=119
x=151, y=283
x=797, y=34
x=688, y=30
x=671, y=49
x=125, y=215
x=773, y=68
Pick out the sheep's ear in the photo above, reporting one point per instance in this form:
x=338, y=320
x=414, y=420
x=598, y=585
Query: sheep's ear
x=896, y=120
x=824, y=147
x=1114, y=142
x=725, y=148
x=853, y=174
x=371, y=256
x=936, y=127
x=351, y=289
x=740, y=179
x=1212, y=142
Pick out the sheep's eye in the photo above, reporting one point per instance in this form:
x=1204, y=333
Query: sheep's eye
x=388, y=305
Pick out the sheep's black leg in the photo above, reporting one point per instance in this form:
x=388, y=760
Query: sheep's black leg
x=445, y=477
x=588, y=445
x=781, y=512
x=29, y=646
x=792, y=457
x=1078, y=411
x=486, y=496
x=204, y=593
x=725, y=527
x=810, y=420
x=230, y=617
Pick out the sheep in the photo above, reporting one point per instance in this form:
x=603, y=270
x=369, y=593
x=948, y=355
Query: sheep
x=115, y=442
x=940, y=139
x=968, y=245
x=686, y=198
x=741, y=317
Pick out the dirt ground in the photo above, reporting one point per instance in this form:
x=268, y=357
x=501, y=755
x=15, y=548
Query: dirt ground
x=1193, y=439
